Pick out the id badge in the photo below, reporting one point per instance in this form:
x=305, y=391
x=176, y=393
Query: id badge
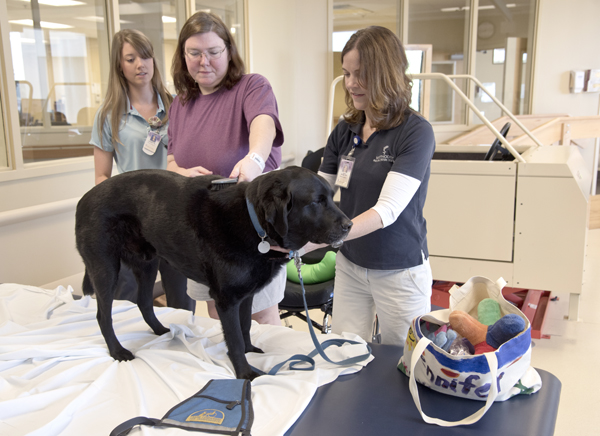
x=151, y=143
x=344, y=172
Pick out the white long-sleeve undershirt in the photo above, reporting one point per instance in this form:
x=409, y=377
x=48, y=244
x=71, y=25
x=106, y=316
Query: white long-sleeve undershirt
x=397, y=191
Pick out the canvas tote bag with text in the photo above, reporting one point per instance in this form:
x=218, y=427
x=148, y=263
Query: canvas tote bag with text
x=489, y=377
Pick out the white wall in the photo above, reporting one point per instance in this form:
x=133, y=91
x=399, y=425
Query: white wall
x=35, y=252
x=41, y=250
x=289, y=46
x=568, y=35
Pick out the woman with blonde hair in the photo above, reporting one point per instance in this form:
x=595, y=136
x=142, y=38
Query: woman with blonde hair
x=223, y=122
x=131, y=128
x=380, y=156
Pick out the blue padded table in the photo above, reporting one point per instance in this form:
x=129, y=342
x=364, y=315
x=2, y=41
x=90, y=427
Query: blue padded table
x=377, y=401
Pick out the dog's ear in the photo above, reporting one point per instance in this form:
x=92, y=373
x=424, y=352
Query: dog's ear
x=278, y=204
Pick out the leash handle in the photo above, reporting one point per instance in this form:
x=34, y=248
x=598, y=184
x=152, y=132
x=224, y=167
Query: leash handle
x=319, y=348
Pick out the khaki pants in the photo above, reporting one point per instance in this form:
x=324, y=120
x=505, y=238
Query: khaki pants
x=396, y=296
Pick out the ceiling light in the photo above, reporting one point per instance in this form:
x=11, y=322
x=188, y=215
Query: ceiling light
x=93, y=18
x=167, y=20
x=346, y=10
x=30, y=41
x=44, y=24
x=481, y=8
x=58, y=2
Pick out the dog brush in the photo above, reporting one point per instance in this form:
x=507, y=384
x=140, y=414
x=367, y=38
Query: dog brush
x=218, y=184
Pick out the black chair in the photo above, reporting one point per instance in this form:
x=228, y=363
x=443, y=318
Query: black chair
x=319, y=295
x=312, y=160
x=497, y=149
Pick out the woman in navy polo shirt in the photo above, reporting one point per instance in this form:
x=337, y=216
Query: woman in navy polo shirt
x=379, y=155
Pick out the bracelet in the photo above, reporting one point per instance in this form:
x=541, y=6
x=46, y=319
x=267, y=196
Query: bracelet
x=258, y=160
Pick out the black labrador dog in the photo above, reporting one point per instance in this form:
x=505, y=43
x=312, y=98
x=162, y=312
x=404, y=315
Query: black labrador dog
x=204, y=232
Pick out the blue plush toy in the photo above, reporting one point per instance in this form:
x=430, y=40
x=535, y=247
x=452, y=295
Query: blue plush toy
x=442, y=336
x=504, y=329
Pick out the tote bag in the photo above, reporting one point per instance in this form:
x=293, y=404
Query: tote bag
x=489, y=377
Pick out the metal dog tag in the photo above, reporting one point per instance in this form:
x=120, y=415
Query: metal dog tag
x=264, y=247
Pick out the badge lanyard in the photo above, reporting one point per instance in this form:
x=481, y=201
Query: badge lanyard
x=154, y=137
x=152, y=141
x=346, y=165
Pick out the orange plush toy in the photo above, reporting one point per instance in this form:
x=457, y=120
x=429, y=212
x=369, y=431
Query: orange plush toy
x=486, y=338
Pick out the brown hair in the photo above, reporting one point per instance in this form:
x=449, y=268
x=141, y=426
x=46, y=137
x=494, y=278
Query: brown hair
x=203, y=22
x=382, y=73
x=115, y=101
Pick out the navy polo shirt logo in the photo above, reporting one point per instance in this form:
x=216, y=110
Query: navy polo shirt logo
x=386, y=156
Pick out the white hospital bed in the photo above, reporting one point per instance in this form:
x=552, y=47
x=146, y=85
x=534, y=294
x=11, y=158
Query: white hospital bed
x=57, y=378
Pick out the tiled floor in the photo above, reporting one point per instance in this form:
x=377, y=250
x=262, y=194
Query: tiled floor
x=569, y=354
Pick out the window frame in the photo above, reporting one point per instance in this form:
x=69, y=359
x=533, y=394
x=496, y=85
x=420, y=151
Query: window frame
x=16, y=168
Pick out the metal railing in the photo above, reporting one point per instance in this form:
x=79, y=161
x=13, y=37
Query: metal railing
x=448, y=79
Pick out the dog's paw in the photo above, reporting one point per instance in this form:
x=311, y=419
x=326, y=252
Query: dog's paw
x=122, y=355
x=250, y=375
x=254, y=349
x=159, y=331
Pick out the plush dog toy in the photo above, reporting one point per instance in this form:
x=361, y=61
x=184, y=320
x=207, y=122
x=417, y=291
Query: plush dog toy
x=315, y=273
x=488, y=311
x=486, y=338
x=442, y=336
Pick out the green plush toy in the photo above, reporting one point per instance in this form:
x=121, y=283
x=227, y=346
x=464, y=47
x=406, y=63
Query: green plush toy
x=488, y=311
x=315, y=273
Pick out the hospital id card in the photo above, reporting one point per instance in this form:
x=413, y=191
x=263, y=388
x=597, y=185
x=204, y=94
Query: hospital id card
x=344, y=172
x=152, y=141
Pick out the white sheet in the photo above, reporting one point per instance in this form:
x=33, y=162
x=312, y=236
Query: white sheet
x=57, y=378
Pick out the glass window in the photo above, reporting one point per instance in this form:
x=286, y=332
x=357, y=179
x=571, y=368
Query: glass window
x=419, y=61
x=416, y=59
x=504, y=37
x=3, y=148
x=232, y=14
x=347, y=19
x=160, y=22
x=444, y=24
x=56, y=48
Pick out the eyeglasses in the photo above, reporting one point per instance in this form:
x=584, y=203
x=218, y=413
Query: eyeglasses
x=196, y=55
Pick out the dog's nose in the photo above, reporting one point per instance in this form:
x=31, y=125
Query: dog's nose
x=346, y=225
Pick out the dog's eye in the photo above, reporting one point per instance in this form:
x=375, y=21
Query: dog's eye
x=320, y=200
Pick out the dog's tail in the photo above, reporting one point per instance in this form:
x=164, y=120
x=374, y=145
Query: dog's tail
x=86, y=286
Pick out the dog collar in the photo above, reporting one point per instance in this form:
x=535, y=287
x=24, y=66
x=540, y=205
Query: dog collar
x=263, y=245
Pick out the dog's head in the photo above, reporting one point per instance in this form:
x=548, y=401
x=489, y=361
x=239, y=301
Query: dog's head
x=295, y=206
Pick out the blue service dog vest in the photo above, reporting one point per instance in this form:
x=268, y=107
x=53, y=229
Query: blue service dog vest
x=222, y=406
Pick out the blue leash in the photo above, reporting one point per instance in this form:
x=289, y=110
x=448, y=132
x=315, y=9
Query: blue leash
x=319, y=347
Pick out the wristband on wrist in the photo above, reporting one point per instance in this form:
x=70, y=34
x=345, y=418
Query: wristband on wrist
x=258, y=160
